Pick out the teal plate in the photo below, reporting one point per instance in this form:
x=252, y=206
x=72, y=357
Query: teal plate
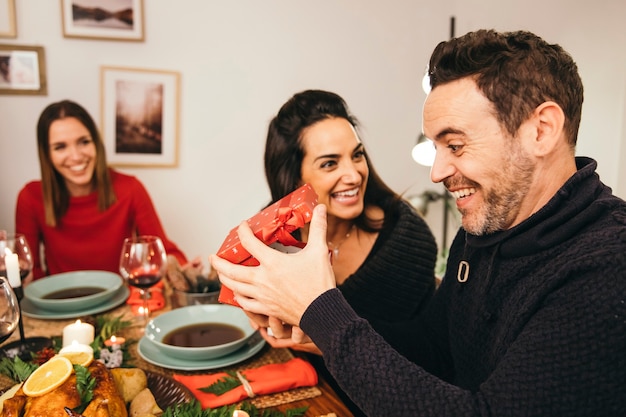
x=151, y=354
x=30, y=310
x=104, y=282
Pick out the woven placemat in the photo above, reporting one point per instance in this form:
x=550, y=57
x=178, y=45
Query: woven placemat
x=265, y=357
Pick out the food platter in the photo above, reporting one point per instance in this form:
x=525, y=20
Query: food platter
x=151, y=354
x=167, y=392
x=30, y=310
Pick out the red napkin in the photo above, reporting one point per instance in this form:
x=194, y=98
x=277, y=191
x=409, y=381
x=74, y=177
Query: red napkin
x=267, y=379
x=155, y=302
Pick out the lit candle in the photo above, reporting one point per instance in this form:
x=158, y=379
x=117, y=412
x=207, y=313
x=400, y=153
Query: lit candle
x=13, y=268
x=114, y=341
x=76, y=347
x=82, y=333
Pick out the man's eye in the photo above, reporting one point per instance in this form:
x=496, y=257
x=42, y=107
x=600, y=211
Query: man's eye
x=454, y=148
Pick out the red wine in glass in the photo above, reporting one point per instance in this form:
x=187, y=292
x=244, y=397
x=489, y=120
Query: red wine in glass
x=143, y=280
x=142, y=263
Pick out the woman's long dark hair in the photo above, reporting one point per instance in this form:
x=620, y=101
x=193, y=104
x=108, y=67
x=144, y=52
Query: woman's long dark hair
x=284, y=153
x=56, y=196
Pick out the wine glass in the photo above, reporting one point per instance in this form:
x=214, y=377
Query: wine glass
x=16, y=262
x=15, y=244
x=142, y=263
x=9, y=310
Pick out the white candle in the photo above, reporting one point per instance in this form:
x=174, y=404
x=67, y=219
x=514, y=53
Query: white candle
x=81, y=333
x=13, y=268
x=76, y=347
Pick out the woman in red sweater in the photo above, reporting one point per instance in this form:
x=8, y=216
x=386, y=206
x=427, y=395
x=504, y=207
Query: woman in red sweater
x=81, y=210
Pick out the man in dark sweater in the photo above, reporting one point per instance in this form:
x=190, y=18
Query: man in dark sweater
x=530, y=319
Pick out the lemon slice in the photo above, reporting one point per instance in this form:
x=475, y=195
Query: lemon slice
x=48, y=376
x=79, y=358
x=78, y=354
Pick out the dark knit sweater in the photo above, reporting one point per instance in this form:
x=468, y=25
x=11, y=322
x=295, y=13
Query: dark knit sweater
x=537, y=329
x=395, y=280
x=397, y=277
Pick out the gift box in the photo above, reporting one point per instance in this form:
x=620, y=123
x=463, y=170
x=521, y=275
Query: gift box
x=273, y=224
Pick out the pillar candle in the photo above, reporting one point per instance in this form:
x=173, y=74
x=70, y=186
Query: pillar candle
x=82, y=333
x=13, y=268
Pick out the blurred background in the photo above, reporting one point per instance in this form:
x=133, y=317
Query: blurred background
x=239, y=61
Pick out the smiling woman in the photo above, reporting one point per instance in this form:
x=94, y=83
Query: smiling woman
x=81, y=211
x=383, y=253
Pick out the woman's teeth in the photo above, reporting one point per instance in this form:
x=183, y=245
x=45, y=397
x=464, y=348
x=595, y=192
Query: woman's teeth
x=348, y=193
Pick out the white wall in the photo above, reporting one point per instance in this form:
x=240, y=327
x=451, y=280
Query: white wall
x=241, y=60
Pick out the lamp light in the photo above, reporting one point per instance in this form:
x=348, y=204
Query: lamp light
x=423, y=152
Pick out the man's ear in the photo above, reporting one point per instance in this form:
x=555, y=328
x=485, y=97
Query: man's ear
x=547, y=123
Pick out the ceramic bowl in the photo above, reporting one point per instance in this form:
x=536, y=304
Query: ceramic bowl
x=184, y=318
x=69, y=284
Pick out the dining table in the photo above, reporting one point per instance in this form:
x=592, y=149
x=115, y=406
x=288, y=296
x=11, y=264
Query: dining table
x=321, y=399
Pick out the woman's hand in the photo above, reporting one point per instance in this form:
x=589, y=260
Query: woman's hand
x=286, y=336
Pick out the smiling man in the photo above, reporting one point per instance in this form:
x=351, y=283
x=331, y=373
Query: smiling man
x=530, y=319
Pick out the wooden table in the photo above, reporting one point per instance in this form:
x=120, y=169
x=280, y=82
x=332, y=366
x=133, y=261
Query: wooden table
x=321, y=400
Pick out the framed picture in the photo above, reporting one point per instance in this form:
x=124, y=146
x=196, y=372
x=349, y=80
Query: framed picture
x=140, y=116
x=103, y=19
x=22, y=70
x=8, y=28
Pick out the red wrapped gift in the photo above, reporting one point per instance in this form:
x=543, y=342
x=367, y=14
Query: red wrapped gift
x=273, y=224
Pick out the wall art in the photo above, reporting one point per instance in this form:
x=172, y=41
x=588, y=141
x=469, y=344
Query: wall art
x=121, y=20
x=22, y=70
x=8, y=28
x=140, y=116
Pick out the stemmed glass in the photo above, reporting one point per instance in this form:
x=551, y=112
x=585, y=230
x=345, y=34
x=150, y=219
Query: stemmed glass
x=15, y=258
x=9, y=310
x=142, y=263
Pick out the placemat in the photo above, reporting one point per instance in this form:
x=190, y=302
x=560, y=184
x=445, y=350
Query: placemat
x=264, y=357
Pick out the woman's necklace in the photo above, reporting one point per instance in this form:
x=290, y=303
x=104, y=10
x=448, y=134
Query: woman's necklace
x=335, y=248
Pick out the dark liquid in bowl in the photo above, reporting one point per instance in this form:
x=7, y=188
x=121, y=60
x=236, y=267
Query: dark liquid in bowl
x=204, y=334
x=73, y=293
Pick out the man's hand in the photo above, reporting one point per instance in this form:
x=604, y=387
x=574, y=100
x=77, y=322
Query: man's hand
x=283, y=285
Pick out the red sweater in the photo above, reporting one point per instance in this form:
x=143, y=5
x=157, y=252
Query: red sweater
x=87, y=239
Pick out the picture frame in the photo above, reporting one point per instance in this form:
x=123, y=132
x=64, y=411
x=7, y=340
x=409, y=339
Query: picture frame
x=8, y=27
x=140, y=113
x=121, y=20
x=22, y=70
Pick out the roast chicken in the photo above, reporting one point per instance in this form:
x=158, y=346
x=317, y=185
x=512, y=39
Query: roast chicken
x=106, y=402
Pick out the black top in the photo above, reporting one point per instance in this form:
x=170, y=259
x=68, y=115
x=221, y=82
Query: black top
x=538, y=328
x=395, y=280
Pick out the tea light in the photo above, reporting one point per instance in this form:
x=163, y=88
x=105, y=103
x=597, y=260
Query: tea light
x=114, y=341
x=13, y=268
x=82, y=333
x=240, y=413
x=76, y=347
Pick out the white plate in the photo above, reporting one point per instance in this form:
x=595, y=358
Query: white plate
x=150, y=353
x=30, y=310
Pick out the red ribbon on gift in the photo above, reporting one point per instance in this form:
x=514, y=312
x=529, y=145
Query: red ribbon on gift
x=281, y=227
x=273, y=224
